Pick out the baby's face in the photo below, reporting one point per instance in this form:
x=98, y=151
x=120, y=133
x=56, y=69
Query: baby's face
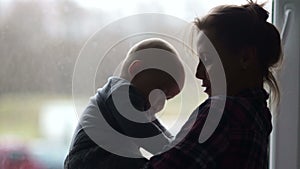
x=171, y=91
x=158, y=86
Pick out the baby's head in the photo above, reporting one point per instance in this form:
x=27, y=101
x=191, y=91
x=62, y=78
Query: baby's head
x=154, y=64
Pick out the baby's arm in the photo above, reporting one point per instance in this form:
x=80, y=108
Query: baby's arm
x=152, y=136
x=155, y=144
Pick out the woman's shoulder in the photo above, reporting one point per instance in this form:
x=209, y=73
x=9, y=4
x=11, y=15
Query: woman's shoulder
x=243, y=111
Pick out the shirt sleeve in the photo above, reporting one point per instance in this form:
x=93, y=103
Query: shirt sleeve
x=140, y=130
x=186, y=151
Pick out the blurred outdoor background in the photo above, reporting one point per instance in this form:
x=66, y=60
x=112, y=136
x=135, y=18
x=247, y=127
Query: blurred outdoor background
x=39, y=43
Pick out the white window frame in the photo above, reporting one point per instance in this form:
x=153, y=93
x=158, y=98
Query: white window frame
x=285, y=138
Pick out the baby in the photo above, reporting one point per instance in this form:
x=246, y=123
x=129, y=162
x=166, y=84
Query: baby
x=111, y=129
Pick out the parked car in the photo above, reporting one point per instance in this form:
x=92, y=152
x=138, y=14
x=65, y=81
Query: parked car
x=17, y=156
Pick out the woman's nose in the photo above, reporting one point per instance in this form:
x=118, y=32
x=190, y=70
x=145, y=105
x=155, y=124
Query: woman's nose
x=201, y=71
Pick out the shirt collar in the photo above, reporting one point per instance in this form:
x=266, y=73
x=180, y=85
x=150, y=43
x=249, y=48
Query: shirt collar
x=254, y=93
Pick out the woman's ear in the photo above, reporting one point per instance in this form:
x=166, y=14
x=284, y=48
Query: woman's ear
x=135, y=67
x=248, y=57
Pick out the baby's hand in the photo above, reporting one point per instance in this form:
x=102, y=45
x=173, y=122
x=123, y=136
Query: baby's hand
x=157, y=99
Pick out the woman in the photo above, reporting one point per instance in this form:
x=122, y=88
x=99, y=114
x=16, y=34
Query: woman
x=249, y=49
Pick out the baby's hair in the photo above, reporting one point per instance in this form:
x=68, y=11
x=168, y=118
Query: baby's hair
x=151, y=43
x=237, y=27
x=156, y=43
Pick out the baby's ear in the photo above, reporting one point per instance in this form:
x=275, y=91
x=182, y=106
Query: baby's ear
x=135, y=67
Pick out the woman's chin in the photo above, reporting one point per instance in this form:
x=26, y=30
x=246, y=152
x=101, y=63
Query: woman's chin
x=208, y=91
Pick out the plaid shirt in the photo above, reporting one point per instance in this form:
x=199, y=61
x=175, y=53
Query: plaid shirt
x=239, y=142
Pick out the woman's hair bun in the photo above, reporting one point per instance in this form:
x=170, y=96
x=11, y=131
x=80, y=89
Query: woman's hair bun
x=257, y=10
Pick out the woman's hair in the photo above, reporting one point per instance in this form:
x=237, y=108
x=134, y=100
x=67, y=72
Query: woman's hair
x=238, y=27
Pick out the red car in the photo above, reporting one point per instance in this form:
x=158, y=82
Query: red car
x=16, y=156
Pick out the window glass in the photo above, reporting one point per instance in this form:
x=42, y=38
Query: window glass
x=40, y=42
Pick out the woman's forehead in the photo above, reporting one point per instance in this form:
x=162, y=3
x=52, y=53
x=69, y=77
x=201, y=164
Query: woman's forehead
x=201, y=36
x=203, y=43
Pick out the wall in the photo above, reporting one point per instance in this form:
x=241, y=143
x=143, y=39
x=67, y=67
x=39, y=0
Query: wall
x=285, y=144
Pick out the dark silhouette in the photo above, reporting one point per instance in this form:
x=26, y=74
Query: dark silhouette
x=249, y=49
x=130, y=95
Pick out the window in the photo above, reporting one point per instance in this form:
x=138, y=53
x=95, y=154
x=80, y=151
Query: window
x=40, y=42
